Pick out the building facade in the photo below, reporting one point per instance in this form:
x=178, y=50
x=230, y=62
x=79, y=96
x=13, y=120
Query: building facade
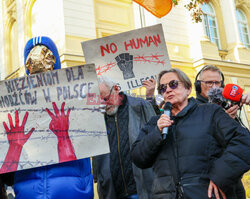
x=222, y=39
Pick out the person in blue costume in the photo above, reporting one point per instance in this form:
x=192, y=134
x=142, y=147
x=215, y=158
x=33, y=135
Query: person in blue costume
x=65, y=180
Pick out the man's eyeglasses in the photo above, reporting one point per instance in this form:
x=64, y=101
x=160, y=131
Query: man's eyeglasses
x=107, y=98
x=172, y=84
x=211, y=83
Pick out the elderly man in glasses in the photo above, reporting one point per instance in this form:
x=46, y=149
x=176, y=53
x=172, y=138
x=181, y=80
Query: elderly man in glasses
x=210, y=77
x=115, y=174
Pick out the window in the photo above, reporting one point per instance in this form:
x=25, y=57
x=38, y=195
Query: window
x=243, y=28
x=210, y=24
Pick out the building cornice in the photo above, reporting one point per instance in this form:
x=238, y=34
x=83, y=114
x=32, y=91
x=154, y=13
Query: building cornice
x=240, y=3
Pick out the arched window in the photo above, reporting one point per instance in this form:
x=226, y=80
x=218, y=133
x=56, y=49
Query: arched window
x=243, y=28
x=210, y=24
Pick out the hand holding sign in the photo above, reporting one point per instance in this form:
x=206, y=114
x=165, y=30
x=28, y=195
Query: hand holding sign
x=59, y=125
x=17, y=138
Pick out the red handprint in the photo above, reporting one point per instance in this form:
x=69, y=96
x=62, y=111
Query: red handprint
x=16, y=138
x=59, y=125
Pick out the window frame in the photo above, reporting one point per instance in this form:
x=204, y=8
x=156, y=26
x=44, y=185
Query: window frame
x=241, y=25
x=211, y=17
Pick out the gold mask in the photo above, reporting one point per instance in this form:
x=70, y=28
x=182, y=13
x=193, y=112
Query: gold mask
x=40, y=59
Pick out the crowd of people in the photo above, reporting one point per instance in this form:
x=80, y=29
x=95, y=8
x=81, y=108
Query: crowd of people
x=204, y=154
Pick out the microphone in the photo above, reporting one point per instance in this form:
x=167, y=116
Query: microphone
x=167, y=111
x=232, y=92
x=215, y=96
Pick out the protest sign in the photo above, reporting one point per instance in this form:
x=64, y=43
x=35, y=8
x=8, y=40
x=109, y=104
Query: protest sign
x=46, y=119
x=129, y=58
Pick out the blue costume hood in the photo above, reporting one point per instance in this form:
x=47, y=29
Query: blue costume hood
x=42, y=40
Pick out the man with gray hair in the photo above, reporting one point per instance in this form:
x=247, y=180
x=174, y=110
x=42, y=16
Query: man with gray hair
x=116, y=175
x=211, y=77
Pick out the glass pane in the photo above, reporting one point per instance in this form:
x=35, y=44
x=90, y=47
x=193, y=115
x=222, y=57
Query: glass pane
x=246, y=39
x=207, y=9
x=206, y=25
x=217, y=43
x=245, y=30
x=241, y=16
x=214, y=32
x=213, y=23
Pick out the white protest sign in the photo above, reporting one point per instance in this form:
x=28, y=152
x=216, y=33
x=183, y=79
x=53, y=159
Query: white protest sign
x=129, y=58
x=46, y=119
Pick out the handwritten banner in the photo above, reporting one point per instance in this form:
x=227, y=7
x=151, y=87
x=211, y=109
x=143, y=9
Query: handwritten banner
x=46, y=119
x=129, y=58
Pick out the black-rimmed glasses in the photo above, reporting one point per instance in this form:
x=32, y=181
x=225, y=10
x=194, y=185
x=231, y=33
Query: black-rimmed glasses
x=211, y=83
x=107, y=98
x=172, y=84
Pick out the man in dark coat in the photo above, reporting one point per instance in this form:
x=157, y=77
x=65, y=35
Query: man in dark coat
x=210, y=77
x=116, y=176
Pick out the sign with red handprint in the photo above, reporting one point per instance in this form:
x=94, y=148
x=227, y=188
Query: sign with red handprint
x=129, y=58
x=46, y=119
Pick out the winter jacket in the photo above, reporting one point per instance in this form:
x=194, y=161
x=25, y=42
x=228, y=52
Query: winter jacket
x=121, y=167
x=65, y=180
x=139, y=112
x=238, y=187
x=203, y=143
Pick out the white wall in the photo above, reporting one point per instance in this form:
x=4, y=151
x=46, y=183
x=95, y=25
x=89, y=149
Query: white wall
x=79, y=18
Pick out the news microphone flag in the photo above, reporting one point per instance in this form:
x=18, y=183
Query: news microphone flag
x=158, y=8
x=232, y=92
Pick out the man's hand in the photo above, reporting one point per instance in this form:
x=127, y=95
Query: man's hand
x=212, y=188
x=232, y=111
x=245, y=99
x=150, y=87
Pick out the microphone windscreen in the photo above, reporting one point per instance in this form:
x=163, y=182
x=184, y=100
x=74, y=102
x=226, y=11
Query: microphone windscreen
x=232, y=92
x=168, y=106
x=215, y=95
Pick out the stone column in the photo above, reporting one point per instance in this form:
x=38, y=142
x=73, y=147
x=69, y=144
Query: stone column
x=2, y=60
x=229, y=17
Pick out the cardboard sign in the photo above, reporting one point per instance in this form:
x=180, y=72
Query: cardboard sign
x=129, y=58
x=46, y=119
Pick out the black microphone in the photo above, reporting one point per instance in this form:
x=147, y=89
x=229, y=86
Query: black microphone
x=215, y=96
x=167, y=111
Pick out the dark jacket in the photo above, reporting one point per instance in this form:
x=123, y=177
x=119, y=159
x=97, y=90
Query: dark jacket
x=203, y=143
x=139, y=112
x=239, y=188
x=5, y=179
x=121, y=167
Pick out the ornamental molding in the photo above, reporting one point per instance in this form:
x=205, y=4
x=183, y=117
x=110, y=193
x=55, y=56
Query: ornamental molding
x=244, y=3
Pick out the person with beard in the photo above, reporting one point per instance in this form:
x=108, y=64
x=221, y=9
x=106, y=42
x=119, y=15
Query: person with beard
x=116, y=176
